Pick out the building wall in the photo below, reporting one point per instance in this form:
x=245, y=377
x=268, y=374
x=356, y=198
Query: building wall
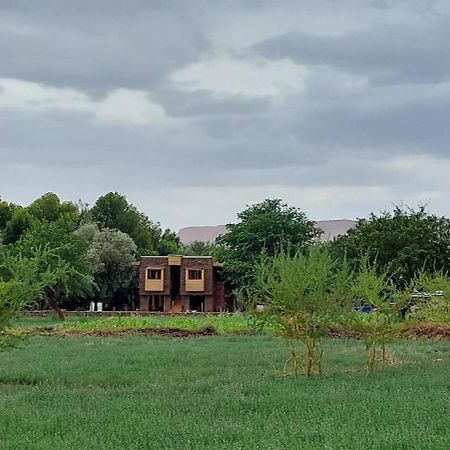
x=193, y=263
x=155, y=263
x=180, y=303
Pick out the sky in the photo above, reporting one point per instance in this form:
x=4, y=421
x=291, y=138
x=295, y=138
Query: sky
x=195, y=109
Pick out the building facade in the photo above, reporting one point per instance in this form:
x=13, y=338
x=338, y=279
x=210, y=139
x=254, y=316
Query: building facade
x=177, y=284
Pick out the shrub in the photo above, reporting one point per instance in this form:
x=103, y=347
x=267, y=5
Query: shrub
x=303, y=294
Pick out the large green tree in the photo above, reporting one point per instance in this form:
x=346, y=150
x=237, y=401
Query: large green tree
x=6, y=212
x=401, y=242
x=112, y=255
x=64, y=272
x=266, y=228
x=114, y=212
x=49, y=207
x=20, y=222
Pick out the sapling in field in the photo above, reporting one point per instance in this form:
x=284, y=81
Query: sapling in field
x=302, y=295
x=379, y=327
x=433, y=293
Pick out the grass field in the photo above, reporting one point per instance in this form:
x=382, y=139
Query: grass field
x=142, y=392
x=221, y=324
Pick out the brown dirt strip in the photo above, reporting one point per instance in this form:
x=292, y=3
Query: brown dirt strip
x=413, y=331
x=121, y=332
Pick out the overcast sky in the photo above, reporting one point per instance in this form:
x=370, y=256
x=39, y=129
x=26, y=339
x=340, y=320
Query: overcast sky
x=194, y=109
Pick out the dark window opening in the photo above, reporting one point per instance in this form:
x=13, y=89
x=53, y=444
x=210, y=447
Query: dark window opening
x=154, y=274
x=197, y=303
x=195, y=274
x=175, y=273
x=156, y=303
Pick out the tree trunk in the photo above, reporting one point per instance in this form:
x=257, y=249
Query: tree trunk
x=53, y=302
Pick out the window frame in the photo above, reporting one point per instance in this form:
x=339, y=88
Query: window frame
x=149, y=271
x=197, y=271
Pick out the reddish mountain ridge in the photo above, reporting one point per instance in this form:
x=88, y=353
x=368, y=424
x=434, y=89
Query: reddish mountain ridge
x=330, y=228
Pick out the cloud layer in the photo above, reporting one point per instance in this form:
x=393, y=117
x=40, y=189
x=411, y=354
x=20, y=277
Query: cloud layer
x=195, y=109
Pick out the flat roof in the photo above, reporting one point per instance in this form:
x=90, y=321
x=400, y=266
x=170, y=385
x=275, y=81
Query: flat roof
x=157, y=256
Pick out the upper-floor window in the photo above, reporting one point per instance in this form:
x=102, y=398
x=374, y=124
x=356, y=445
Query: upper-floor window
x=195, y=274
x=154, y=274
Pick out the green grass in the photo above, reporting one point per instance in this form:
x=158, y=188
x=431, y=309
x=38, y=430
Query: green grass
x=226, y=392
x=222, y=324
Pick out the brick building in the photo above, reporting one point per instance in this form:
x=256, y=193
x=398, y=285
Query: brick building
x=179, y=284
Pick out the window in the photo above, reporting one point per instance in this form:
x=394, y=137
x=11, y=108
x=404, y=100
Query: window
x=154, y=274
x=195, y=274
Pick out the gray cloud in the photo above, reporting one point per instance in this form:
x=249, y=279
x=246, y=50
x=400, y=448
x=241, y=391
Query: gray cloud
x=385, y=53
x=342, y=110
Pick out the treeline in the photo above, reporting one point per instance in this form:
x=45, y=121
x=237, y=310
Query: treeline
x=66, y=254
x=394, y=265
x=400, y=242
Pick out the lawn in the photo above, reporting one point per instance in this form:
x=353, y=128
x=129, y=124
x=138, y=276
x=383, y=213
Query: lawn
x=225, y=392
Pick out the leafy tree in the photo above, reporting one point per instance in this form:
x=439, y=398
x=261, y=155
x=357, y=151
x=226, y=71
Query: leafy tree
x=64, y=272
x=265, y=227
x=112, y=255
x=169, y=243
x=19, y=286
x=303, y=294
x=6, y=212
x=401, y=242
x=114, y=212
x=199, y=248
x=49, y=207
x=370, y=287
x=20, y=222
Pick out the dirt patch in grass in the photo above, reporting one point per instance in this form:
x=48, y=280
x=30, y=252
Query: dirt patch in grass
x=120, y=332
x=437, y=331
x=408, y=331
x=428, y=330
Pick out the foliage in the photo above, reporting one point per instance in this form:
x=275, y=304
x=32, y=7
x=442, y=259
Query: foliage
x=402, y=242
x=20, y=222
x=114, y=212
x=112, y=256
x=18, y=286
x=199, y=248
x=63, y=269
x=49, y=208
x=434, y=304
x=169, y=244
x=379, y=327
x=302, y=295
x=6, y=212
x=263, y=227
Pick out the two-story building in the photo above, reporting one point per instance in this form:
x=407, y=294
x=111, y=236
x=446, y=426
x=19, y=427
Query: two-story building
x=179, y=284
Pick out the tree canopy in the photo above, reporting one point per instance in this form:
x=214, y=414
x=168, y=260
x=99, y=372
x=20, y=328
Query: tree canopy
x=401, y=242
x=265, y=227
x=113, y=211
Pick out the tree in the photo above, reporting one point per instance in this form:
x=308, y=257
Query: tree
x=169, y=243
x=64, y=272
x=49, y=207
x=19, y=285
x=112, y=255
x=402, y=242
x=265, y=227
x=199, y=248
x=6, y=212
x=303, y=294
x=20, y=222
x=114, y=212
x=377, y=290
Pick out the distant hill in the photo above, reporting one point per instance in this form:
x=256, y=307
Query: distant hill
x=330, y=228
